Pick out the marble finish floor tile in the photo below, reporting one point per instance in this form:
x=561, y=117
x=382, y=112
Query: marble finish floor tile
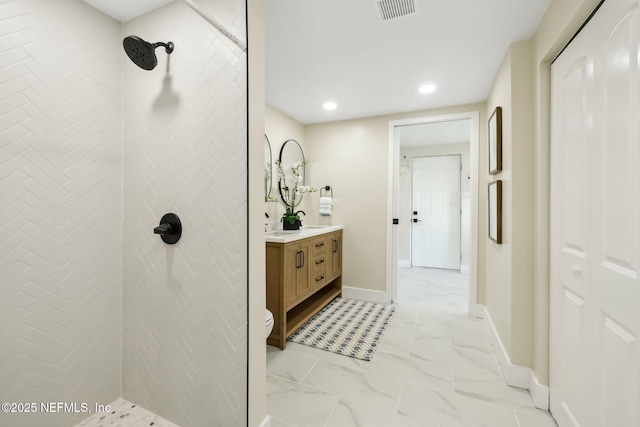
x=356, y=385
x=435, y=367
x=477, y=342
x=288, y=364
x=452, y=410
x=493, y=389
x=298, y=404
x=354, y=414
x=442, y=351
x=411, y=370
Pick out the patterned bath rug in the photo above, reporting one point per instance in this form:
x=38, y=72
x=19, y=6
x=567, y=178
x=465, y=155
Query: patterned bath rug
x=346, y=326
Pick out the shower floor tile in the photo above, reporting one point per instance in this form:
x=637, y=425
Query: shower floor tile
x=125, y=414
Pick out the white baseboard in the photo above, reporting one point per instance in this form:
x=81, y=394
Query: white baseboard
x=266, y=422
x=464, y=269
x=404, y=263
x=539, y=392
x=515, y=375
x=378, y=297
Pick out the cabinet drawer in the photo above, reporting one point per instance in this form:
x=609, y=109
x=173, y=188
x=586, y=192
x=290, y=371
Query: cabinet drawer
x=319, y=278
x=319, y=262
x=318, y=245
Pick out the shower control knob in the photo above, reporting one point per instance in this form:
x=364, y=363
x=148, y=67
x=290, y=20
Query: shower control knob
x=163, y=229
x=170, y=228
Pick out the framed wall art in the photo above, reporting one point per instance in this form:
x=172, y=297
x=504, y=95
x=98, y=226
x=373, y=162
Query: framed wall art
x=495, y=211
x=495, y=141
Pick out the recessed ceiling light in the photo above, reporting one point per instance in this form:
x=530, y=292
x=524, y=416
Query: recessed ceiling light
x=330, y=106
x=427, y=88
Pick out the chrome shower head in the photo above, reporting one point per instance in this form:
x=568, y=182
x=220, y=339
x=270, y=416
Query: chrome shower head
x=143, y=53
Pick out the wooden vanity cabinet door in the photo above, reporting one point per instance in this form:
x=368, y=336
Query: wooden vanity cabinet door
x=291, y=267
x=296, y=272
x=304, y=285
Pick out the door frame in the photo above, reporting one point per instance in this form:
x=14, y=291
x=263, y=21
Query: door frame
x=392, y=200
x=459, y=156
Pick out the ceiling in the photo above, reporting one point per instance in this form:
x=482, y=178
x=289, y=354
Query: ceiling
x=123, y=10
x=341, y=51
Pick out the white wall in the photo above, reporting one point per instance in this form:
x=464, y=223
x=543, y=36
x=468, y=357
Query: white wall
x=185, y=151
x=60, y=215
x=257, y=397
x=498, y=256
x=509, y=284
x=404, y=245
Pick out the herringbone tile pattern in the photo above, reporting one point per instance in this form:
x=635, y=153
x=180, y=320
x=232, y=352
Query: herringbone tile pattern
x=60, y=208
x=64, y=288
x=185, y=330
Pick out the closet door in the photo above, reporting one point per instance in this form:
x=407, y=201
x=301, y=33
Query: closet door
x=595, y=223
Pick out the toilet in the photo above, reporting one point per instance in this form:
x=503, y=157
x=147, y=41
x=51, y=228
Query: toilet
x=269, y=320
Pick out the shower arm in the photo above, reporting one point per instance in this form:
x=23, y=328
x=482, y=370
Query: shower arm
x=168, y=47
x=216, y=25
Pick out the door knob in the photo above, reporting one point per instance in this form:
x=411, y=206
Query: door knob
x=416, y=220
x=576, y=269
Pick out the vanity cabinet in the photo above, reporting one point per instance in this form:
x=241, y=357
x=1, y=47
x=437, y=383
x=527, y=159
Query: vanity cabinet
x=303, y=276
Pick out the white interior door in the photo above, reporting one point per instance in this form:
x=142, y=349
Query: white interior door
x=435, y=228
x=595, y=226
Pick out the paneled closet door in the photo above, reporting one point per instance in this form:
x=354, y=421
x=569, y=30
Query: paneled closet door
x=595, y=223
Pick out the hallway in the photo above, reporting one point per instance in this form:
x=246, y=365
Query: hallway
x=435, y=367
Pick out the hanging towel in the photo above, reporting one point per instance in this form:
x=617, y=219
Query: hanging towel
x=326, y=206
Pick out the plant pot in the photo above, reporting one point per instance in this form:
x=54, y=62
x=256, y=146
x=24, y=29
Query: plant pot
x=286, y=225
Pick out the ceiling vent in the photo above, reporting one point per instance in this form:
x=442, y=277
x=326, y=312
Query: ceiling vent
x=392, y=9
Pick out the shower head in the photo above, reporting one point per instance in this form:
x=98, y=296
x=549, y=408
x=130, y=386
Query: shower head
x=143, y=53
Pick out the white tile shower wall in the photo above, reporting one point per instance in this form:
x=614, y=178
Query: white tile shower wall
x=185, y=305
x=60, y=208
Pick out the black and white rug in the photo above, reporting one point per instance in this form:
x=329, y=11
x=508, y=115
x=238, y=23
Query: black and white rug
x=346, y=326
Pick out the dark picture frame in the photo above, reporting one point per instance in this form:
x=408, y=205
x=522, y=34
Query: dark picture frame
x=495, y=211
x=495, y=141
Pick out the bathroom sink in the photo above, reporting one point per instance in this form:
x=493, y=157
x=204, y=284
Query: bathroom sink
x=315, y=226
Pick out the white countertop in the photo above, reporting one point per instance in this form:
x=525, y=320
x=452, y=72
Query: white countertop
x=286, y=236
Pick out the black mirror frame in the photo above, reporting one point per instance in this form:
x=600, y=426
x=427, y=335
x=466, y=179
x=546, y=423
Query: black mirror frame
x=304, y=171
x=268, y=186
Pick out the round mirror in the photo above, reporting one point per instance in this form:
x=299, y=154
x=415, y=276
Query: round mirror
x=290, y=153
x=268, y=161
